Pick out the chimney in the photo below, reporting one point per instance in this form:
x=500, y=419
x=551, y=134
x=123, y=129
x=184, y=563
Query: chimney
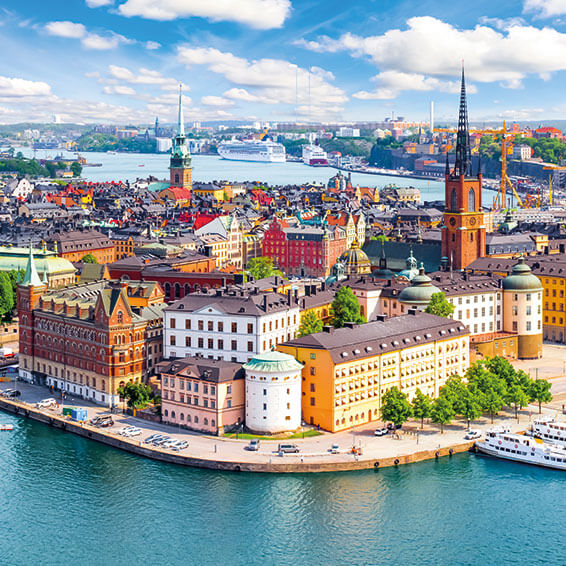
x=349, y=325
x=265, y=302
x=307, y=290
x=381, y=317
x=328, y=329
x=412, y=312
x=289, y=297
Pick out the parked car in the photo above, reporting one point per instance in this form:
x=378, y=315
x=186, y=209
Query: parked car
x=161, y=441
x=181, y=445
x=335, y=449
x=381, y=431
x=391, y=426
x=45, y=403
x=253, y=446
x=5, y=392
x=288, y=448
x=132, y=431
x=105, y=422
x=13, y=394
x=168, y=444
x=472, y=435
x=150, y=439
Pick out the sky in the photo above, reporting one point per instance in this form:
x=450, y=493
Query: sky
x=121, y=61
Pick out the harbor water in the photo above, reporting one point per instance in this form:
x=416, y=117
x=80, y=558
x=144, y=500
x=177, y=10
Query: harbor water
x=68, y=500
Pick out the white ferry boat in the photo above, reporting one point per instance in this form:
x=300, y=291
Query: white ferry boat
x=549, y=430
x=314, y=155
x=253, y=150
x=523, y=449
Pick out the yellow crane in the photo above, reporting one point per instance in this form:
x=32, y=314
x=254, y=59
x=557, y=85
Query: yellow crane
x=552, y=168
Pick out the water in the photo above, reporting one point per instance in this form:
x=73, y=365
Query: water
x=67, y=500
x=126, y=166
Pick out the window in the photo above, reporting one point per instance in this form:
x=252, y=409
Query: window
x=201, y=342
x=173, y=323
x=265, y=406
x=250, y=328
x=514, y=310
x=220, y=327
x=188, y=324
x=528, y=296
x=188, y=385
x=514, y=326
x=229, y=404
x=265, y=391
x=234, y=327
x=187, y=341
x=172, y=341
x=201, y=325
x=120, y=317
x=313, y=370
x=528, y=325
x=221, y=344
x=312, y=387
x=234, y=345
x=250, y=346
x=205, y=403
x=312, y=401
x=210, y=325
x=229, y=389
x=196, y=388
x=453, y=200
x=313, y=356
x=471, y=200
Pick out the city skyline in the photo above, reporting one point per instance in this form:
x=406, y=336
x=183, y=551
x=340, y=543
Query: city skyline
x=122, y=61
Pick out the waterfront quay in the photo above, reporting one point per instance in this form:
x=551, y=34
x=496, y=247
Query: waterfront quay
x=411, y=445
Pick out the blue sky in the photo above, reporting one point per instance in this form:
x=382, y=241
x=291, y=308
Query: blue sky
x=120, y=61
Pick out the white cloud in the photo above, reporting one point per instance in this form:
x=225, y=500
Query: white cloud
x=270, y=79
x=391, y=83
x=98, y=3
x=143, y=76
x=89, y=40
x=259, y=14
x=243, y=95
x=151, y=45
x=66, y=29
x=18, y=88
x=430, y=47
x=545, y=8
x=217, y=101
x=119, y=89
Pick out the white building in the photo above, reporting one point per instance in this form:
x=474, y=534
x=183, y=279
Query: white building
x=522, y=151
x=348, y=132
x=273, y=393
x=228, y=228
x=232, y=325
x=163, y=144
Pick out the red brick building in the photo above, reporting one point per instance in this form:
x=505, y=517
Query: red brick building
x=304, y=250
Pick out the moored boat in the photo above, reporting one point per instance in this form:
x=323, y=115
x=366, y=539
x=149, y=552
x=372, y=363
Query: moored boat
x=6, y=427
x=524, y=449
x=548, y=430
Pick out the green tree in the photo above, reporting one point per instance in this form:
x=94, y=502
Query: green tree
x=6, y=296
x=517, y=397
x=262, y=267
x=310, y=324
x=454, y=391
x=503, y=369
x=440, y=305
x=422, y=405
x=137, y=395
x=442, y=412
x=76, y=169
x=471, y=407
x=89, y=258
x=540, y=392
x=492, y=403
x=395, y=407
x=51, y=169
x=345, y=308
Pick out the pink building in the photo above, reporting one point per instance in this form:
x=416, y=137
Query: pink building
x=202, y=394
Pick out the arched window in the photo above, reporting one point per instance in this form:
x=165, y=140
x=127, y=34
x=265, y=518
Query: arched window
x=176, y=178
x=196, y=420
x=166, y=413
x=205, y=422
x=471, y=200
x=172, y=414
x=453, y=200
x=182, y=416
x=188, y=418
x=120, y=317
x=177, y=290
x=168, y=289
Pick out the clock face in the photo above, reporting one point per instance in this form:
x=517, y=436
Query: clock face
x=472, y=221
x=452, y=221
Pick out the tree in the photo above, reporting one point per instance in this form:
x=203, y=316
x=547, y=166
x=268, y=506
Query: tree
x=442, y=412
x=310, y=324
x=51, y=169
x=89, y=258
x=137, y=395
x=454, y=390
x=517, y=397
x=422, y=405
x=262, y=267
x=540, y=392
x=345, y=308
x=395, y=407
x=76, y=169
x=440, y=305
x=6, y=296
x=471, y=408
x=492, y=403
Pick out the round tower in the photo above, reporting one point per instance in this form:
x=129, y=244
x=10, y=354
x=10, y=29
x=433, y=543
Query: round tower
x=522, y=310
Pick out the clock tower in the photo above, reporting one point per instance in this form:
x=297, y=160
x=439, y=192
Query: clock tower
x=463, y=232
x=180, y=167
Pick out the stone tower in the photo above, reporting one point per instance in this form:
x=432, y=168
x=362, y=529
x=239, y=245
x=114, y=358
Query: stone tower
x=180, y=168
x=463, y=233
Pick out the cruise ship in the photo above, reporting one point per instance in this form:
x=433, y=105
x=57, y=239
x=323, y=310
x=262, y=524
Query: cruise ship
x=314, y=155
x=252, y=150
x=524, y=449
x=549, y=430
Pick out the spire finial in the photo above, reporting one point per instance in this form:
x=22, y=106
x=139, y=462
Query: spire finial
x=31, y=278
x=463, y=165
x=181, y=125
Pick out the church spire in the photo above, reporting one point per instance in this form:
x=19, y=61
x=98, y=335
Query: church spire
x=181, y=125
x=31, y=277
x=463, y=164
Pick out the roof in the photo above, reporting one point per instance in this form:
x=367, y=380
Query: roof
x=381, y=337
x=216, y=371
x=521, y=279
x=273, y=362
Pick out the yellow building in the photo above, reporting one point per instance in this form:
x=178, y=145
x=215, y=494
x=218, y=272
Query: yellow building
x=220, y=194
x=347, y=371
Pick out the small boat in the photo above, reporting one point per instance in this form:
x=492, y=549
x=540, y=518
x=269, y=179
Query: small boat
x=142, y=165
x=548, y=430
x=524, y=449
x=6, y=427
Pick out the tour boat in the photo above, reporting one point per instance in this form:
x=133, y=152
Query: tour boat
x=252, y=150
x=549, y=430
x=523, y=449
x=6, y=427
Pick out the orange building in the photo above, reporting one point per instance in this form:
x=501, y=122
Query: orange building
x=76, y=244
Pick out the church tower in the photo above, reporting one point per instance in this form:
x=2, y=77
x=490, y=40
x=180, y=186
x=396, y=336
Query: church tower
x=463, y=233
x=180, y=167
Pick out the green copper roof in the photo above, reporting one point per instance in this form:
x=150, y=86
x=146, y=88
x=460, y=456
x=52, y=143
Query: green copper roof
x=31, y=277
x=420, y=290
x=273, y=362
x=521, y=278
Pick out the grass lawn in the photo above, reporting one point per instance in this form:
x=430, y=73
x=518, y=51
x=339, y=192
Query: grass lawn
x=246, y=436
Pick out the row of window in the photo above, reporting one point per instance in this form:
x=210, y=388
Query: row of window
x=190, y=418
x=185, y=384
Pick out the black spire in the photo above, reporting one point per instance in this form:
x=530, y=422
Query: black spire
x=463, y=164
x=447, y=170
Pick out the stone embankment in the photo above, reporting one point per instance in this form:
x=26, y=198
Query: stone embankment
x=273, y=464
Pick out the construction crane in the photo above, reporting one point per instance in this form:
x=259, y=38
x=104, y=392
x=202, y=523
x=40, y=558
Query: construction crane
x=552, y=168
